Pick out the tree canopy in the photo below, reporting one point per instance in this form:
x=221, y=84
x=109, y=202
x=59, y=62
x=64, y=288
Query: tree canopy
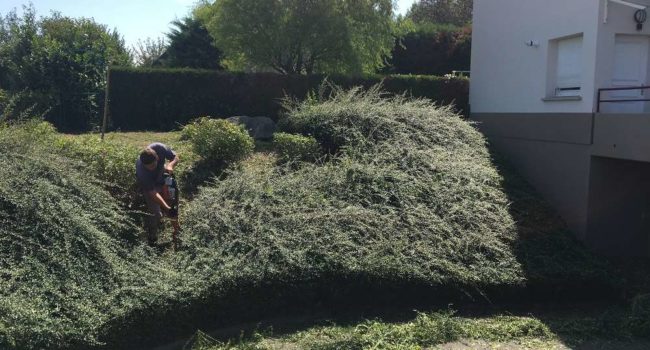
x=456, y=12
x=302, y=36
x=56, y=65
x=147, y=52
x=432, y=50
x=190, y=46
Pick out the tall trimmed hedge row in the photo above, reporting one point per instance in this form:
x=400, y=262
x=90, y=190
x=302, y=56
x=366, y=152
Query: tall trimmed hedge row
x=164, y=99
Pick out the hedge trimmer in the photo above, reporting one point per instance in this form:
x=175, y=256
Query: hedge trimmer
x=171, y=195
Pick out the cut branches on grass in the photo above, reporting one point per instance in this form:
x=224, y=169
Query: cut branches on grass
x=432, y=329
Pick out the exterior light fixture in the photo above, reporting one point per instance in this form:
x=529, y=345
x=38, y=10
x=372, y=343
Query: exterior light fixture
x=640, y=17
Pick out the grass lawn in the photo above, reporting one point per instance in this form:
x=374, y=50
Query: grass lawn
x=141, y=140
x=441, y=330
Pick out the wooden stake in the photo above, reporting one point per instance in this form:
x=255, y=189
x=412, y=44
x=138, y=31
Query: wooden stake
x=108, y=80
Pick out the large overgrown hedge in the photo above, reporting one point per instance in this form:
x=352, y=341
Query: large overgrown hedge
x=411, y=195
x=165, y=99
x=62, y=256
x=408, y=200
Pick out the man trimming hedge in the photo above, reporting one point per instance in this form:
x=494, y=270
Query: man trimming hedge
x=149, y=170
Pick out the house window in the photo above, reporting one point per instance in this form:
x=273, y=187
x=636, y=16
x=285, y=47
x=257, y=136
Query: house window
x=568, y=67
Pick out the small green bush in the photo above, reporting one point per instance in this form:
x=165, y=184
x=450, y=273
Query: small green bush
x=110, y=162
x=295, y=147
x=218, y=140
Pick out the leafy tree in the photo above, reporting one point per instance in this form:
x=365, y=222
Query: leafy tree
x=302, y=36
x=190, y=46
x=58, y=64
x=432, y=49
x=147, y=52
x=456, y=12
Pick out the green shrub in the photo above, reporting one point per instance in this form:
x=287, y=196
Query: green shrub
x=62, y=265
x=295, y=147
x=110, y=162
x=23, y=105
x=412, y=196
x=411, y=199
x=218, y=140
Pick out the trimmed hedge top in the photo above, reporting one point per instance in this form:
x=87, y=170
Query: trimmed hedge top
x=164, y=99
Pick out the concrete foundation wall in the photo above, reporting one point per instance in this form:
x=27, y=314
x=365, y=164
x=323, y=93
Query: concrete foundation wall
x=622, y=136
x=553, y=155
x=594, y=169
x=557, y=127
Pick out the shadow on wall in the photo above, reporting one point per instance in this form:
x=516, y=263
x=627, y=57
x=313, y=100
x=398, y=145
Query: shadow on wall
x=556, y=264
x=619, y=207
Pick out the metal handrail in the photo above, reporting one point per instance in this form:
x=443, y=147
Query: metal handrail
x=600, y=100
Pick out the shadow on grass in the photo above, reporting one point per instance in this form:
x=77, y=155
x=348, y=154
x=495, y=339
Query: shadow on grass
x=558, y=265
x=198, y=175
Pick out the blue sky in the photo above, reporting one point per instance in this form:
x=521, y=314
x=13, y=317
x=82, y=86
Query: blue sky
x=134, y=19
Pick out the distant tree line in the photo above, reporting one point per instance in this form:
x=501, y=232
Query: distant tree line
x=452, y=12
x=55, y=66
x=320, y=36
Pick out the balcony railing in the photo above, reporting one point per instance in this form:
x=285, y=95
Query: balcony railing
x=619, y=100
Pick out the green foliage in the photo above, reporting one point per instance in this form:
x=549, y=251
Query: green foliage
x=21, y=106
x=295, y=147
x=190, y=46
x=302, y=37
x=110, y=162
x=455, y=12
x=61, y=262
x=432, y=49
x=162, y=99
x=58, y=64
x=146, y=53
x=426, y=330
x=412, y=196
x=218, y=140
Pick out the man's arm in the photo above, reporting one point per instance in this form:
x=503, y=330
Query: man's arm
x=170, y=166
x=159, y=199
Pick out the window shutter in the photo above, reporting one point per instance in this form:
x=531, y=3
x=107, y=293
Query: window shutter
x=569, y=66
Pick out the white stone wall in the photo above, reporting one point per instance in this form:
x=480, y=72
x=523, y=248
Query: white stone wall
x=620, y=21
x=510, y=77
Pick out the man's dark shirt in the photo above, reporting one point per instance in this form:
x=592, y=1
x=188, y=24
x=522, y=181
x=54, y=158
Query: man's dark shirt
x=148, y=180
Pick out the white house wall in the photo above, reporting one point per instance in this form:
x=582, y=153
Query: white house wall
x=591, y=167
x=620, y=20
x=510, y=77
